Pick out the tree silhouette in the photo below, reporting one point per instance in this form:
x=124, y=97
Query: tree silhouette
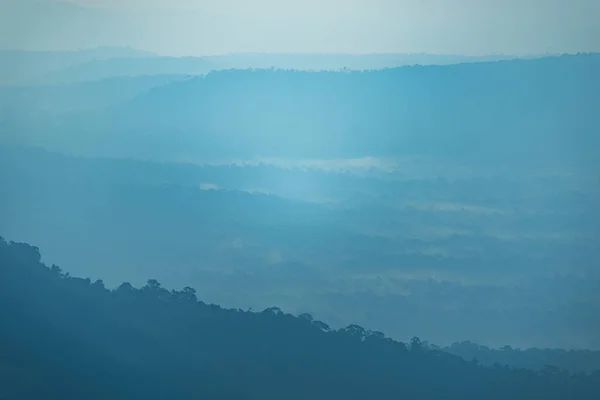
x=64, y=337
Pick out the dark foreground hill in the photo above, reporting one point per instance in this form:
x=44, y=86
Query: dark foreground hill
x=70, y=338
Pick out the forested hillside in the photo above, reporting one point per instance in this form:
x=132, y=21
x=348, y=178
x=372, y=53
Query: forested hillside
x=538, y=113
x=418, y=250
x=68, y=337
x=531, y=358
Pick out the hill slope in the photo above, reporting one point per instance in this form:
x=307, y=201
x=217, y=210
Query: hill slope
x=537, y=113
x=67, y=337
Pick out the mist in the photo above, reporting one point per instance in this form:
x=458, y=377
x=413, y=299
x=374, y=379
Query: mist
x=412, y=187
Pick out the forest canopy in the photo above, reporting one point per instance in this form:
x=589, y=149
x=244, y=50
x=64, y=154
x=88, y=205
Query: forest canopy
x=69, y=337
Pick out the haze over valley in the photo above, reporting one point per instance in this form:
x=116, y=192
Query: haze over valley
x=194, y=205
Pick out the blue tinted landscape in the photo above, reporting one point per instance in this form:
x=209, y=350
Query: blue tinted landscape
x=402, y=219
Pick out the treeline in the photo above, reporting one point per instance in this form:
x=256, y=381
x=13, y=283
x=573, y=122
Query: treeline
x=44, y=67
x=531, y=358
x=537, y=113
x=68, y=338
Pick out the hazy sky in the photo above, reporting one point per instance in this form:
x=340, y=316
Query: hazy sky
x=187, y=27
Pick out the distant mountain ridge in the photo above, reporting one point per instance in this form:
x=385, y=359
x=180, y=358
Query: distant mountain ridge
x=27, y=67
x=85, y=95
x=504, y=109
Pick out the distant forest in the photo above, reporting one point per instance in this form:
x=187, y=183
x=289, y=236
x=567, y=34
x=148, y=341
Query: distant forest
x=357, y=246
x=538, y=113
x=65, y=337
x=372, y=199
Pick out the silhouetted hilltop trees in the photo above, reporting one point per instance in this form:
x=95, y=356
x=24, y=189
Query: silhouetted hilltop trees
x=28, y=67
x=68, y=338
x=531, y=358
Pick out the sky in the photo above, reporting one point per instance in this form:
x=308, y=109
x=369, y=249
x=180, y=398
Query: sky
x=186, y=27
